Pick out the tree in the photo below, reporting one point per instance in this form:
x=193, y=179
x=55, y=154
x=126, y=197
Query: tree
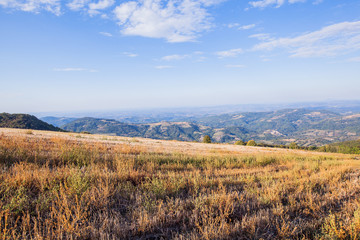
x=207, y=139
x=251, y=143
x=240, y=142
x=293, y=145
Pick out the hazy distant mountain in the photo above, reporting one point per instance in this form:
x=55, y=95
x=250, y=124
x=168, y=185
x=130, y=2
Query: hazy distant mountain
x=307, y=127
x=163, y=130
x=57, y=121
x=189, y=114
x=25, y=121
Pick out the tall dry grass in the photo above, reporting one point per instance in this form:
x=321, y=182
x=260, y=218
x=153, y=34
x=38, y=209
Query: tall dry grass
x=69, y=189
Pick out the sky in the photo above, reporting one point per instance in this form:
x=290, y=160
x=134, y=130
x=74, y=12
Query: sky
x=85, y=55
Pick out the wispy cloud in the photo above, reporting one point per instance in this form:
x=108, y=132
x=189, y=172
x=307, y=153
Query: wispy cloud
x=175, y=21
x=235, y=66
x=106, y=34
x=164, y=67
x=74, y=70
x=233, y=25
x=261, y=36
x=333, y=40
x=247, y=27
x=35, y=6
x=274, y=3
x=229, y=53
x=241, y=27
x=130, y=54
x=94, y=8
x=77, y=5
x=174, y=57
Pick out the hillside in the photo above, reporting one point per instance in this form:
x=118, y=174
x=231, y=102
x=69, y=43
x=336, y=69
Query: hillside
x=25, y=121
x=306, y=127
x=352, y=147
x=164, y=130
x=81, y=186
x=57, y=121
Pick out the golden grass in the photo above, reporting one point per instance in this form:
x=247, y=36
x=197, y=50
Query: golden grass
x=62, y=186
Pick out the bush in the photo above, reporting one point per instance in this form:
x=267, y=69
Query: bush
x=251, y=143
x=240, y=142
x=293, y=145
x=207, y=139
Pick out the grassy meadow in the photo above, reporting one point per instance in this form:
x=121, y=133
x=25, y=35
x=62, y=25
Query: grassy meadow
x=80, y=186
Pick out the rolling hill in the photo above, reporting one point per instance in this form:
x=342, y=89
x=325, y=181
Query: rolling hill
x=25, y=121
x=305, y=126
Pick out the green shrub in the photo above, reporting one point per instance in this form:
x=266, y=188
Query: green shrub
x=293, y=145
x=207, y=139
x=240, y=142
x=251, y=143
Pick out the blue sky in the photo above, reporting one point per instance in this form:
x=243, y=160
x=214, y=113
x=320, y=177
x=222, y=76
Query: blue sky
x=81, y=55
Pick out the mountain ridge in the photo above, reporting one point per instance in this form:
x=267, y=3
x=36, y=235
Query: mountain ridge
x=25, y=121
x=306, y=127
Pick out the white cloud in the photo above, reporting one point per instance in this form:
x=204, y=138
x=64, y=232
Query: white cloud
x=174, y=57
x=130, y=54
x=92, y=8
x=106, y=34
x=77, y=5
x=74, y=70
x=336, y=39
x=261, y=36
x=230, y=53
x=233, y=25
x=35, y=6
x=247, y=27
x=174, y=20
x=100, y=5
x=235, y=66
x=276, y=3
x=239, y=27
x=164, y=67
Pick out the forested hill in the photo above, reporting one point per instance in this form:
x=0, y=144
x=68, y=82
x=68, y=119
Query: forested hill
x=25, y=121
x=163, y=130
x=304, y=126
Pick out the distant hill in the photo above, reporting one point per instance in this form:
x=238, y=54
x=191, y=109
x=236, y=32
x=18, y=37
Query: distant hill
x=164, y=130
x=304, y=126
x=25, y=121
x=57, y=121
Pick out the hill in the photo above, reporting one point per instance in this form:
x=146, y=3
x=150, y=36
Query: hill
x=306, y=127
x=25, y=121
x=81, y=186
x=183, y=131
x=352, y=147
x=57, y=121
x=164, y=130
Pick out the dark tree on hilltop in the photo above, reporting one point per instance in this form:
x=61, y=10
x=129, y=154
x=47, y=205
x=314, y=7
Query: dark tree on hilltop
x=207, y=139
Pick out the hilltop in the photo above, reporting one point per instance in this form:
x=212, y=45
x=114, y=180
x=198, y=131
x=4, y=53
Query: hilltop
x=25, y=121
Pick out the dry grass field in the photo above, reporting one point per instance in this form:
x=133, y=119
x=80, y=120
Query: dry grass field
x=80, y=186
